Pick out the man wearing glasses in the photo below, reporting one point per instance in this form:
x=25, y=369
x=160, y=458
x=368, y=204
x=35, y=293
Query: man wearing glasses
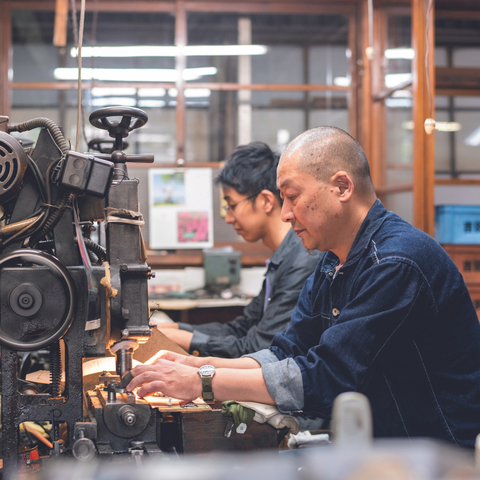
x=253, y=209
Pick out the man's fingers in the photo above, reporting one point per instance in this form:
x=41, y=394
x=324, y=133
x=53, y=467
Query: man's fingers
x=143, y=374
x=162, y=354
x=149, y=389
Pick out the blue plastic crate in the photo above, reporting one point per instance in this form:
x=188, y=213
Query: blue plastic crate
x=457, y=224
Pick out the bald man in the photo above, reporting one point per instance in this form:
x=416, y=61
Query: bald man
x=386, y=313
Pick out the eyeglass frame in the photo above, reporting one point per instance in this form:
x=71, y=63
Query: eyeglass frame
x=231, y=208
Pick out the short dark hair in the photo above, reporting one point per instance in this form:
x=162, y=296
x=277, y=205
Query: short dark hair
x=250, y=169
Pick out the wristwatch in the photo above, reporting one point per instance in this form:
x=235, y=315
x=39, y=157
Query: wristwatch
x=206, y=373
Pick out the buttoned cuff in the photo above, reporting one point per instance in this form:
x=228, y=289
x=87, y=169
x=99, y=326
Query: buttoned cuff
x=185, y=326
x=198, y=342
x=263, y=356
x=284, y=384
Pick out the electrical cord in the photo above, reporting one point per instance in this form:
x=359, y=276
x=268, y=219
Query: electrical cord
x=38, y=177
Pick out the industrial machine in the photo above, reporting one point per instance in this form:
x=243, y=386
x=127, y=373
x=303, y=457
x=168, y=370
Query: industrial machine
x=66, y=297
x=62, y=292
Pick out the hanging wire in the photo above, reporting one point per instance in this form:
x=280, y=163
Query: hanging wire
x=427, y=60
x=79, y=63
x=93, y=42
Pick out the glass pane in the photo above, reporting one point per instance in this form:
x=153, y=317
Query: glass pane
x=35, y=59
x=212, y=124
x=467, y=140
x=157, y=136
x=399, y=133
x=299, y=48
x=443, y=157
x=399, y=54
x=401, y=204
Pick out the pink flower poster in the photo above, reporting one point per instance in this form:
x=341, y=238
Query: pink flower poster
x=192, y=226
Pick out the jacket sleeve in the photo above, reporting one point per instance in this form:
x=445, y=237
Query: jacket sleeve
x=388, y=300
x=255, y=329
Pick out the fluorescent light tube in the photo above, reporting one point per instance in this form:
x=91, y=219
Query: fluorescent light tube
x=394, y=53
x=132, y=74
x=169, y=51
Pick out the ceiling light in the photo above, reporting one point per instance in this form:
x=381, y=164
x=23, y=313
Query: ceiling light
x=170, y=51
x=394, y=53
x=394, y=79
x=402, y=94
x=440, y=126
x=105, y=92
x=132, y=74
x=151, y=103
x=473, y=139
x=216, y=50
x=398, y=102
x=107, y=101
x=191, y=92
x=448, y=126
x=342, y=81
x=151, y=92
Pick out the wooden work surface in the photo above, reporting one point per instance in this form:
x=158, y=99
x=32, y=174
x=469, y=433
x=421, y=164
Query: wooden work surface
x=204, y=431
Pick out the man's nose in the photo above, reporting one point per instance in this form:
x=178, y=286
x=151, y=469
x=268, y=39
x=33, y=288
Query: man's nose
x=229, y=218
x=286, y=213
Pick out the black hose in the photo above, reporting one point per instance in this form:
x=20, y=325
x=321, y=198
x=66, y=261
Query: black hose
x=42, y=122
x=52, y=219
x=97, y=249
x=38, y=177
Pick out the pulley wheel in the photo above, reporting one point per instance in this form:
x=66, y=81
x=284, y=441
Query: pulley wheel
x=31, y=305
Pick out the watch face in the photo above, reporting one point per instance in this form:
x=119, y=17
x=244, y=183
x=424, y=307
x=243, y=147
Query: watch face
x=207, y=371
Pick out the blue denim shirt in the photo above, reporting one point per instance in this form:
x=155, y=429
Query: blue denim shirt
x=395, y=323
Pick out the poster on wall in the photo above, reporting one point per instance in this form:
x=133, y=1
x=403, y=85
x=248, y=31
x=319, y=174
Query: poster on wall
x=181, y=209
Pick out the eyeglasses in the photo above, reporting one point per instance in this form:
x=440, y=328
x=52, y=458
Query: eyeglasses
x=231, y=208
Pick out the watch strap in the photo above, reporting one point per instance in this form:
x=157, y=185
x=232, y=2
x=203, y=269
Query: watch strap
x=207, y=391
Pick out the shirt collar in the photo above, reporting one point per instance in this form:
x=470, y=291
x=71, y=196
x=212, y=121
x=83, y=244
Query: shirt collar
x=372, y=222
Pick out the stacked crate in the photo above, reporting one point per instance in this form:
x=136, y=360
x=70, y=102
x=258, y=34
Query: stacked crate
x=457, y=229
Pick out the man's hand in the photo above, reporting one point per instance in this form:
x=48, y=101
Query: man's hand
x=168, y=377
x=174, y=357
x=182, y=337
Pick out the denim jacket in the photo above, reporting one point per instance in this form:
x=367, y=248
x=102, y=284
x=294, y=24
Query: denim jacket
x=395, y=323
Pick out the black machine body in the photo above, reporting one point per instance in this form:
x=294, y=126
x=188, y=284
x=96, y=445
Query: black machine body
x=65, y=295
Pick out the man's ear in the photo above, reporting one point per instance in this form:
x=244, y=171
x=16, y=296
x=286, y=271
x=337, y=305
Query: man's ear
x=345, y=185
x=266, y=199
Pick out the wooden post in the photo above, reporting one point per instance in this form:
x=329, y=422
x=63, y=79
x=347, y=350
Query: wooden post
x=373, y=113
x=353, y=91
x=423, y=42
x=365, y=72
x=61, y=22
x=378, y=121
x=180, y=65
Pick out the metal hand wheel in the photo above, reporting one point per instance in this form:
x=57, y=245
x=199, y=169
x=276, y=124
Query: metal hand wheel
x=100, y=119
